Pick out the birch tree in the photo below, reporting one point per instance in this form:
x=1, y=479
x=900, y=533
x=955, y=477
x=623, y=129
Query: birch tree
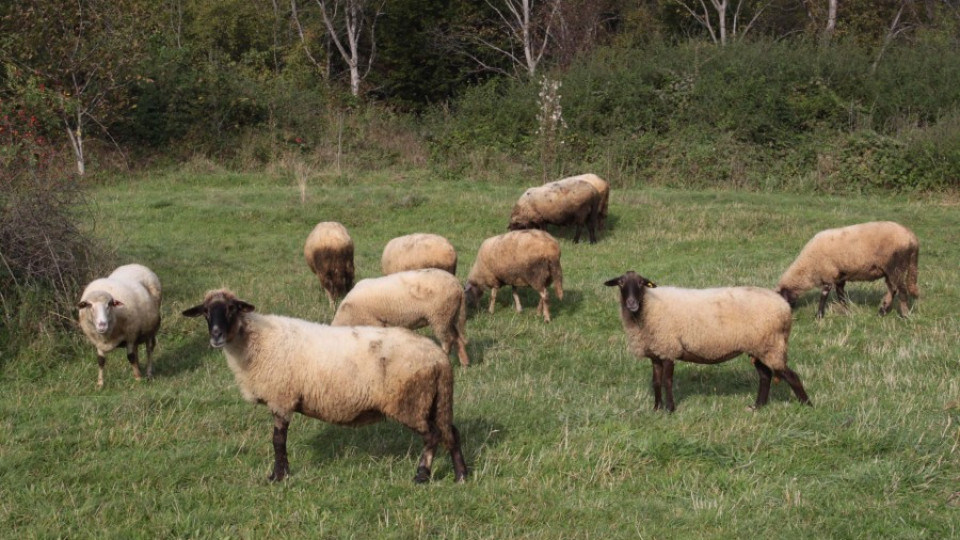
x=528, y=31
x=347, y=24
x=720, y=23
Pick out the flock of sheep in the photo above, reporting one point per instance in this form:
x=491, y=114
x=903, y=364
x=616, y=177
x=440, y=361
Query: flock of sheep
x=367, y=364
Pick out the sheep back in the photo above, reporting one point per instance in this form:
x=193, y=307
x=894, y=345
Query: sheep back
x=862, y=252
x=419, y=250
x=556, y=203
x=329, y=254
x=709, y=326
x=525, y=258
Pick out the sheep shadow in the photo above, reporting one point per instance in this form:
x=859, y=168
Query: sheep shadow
x=529, y=299
x=389, y=439
x=475, y=349
x=859, y=297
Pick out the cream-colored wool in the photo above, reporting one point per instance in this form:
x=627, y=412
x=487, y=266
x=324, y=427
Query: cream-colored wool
x=863, y=252
x=410, y=299
x=526, y=258
x=603, y=188
x=127, y=306
x=419, y=250
x=558, y=203
x=329, y=254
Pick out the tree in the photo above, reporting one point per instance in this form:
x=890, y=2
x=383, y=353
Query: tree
x=346, y=23
x=721, y=25
x=527, y=28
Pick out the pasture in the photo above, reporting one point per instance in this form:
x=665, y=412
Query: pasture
x=556, y=419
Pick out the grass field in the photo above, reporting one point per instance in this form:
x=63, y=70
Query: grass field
x=557, y=421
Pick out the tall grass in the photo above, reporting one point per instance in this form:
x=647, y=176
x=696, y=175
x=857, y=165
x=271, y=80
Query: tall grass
x=556, y=418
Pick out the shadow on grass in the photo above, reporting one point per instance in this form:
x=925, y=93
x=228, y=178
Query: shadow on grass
x=859, y=297
x=529, y=299
x=185, y=356
x=391, y=439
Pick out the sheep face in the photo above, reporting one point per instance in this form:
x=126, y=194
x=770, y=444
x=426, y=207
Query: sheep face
x=222, y=311
x=789, y=295
x=101, y=306
x=473, y=293
x=632, y=287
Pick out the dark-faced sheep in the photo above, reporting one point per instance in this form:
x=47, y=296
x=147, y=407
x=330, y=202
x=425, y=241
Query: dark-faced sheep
x=410, y=299
x=122, y=310
x=563, y=202
x=416, y=251
x=527, y=258
x=342, y=375
x=706, y=326
x=864, y=252
x=329, y=254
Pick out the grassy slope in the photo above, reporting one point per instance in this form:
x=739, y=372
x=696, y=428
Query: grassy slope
x=556, y=419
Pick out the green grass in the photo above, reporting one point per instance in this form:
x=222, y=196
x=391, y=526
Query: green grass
x=557, y=419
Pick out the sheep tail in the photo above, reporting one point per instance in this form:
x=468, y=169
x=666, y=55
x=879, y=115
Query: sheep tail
x=444, y=405
x=912, y=287
x=557, y=274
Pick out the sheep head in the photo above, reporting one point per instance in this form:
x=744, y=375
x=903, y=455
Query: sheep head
x=789, y=295
x=101, y=308
x=223, y=311
x=632, y=287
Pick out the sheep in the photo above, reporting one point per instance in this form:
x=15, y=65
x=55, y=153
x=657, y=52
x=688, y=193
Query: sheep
x=863, y=252
x=558, y=203
x=411, y=299
x=603, y=188
x=122, y=310
x=420, y=250
x=329, y=254
x=526, y=258
x=706, y=326
x=342, y=375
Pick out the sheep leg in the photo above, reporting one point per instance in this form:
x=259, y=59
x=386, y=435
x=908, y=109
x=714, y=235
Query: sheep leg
x=462, y=351
x=151, y=344
x=763, y=394
x=824, y=294
x=101, y=363
x=668, y=385
x=576, y=236
x=793, y=380
x=456, y=455
x=516, y=299
x=662, y=372
x=888, y=298
x=281, y=467
x=544, y=304
x=430, y=440
x=493, y=298
x=842, y=292
x=134, y=360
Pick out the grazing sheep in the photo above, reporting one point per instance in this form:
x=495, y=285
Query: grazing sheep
x=527, y=258
x=329, y=254
x=706, y=326
x=558, y=203
x=416, y=251
x=410, y=299
x=864, y=252
x=122, y=310
x=603, y=188
x=342, y=375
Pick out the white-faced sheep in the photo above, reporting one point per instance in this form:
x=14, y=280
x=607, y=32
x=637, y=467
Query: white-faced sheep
x=558, y=203
x=342, y=375
x=410, y=299
x=527, y=258
x=329, y=254
x=122, y=310
x=603, y=188
x=864, y=252
x=416, y=251
x=706, y=326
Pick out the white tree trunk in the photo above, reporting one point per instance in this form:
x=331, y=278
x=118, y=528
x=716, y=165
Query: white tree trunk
x=76, y=141
x=353, y=27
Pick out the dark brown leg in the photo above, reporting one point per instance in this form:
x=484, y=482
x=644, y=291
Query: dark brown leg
x=591, y=229
x=824, y=294
x=668, y=384
x=657, y=377
x=793, y=380
x=842, y=292
x=576, y=236
x=281, y=467
x=134, y=361
x=459, y=465
x=101, y=363
x=763, y=394
x=888, y=298
x=430, y=440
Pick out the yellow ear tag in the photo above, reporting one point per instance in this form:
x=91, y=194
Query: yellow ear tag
x=651, y=285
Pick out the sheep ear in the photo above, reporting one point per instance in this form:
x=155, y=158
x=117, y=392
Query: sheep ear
x=83, y=304
x=615, y=282
x=195, y=311
x=245, y=307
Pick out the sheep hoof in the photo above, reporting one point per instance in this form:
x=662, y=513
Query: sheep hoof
x=423, y=475
x=278, y=475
